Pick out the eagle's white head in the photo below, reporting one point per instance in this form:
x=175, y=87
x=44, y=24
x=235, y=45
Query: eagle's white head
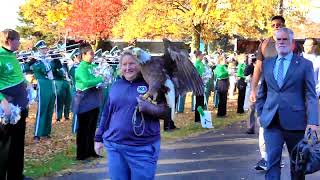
x=142, y=55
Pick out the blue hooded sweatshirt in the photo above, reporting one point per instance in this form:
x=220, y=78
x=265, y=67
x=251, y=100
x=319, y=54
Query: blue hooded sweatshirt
x=116, y=123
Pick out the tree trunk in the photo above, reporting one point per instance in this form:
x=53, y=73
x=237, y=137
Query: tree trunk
x=205, y=48
x=195, y=45
x=281, y=8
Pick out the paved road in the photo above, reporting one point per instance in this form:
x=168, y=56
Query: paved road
x=226, y=154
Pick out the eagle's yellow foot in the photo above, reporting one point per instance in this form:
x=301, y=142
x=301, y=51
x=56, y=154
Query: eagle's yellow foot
x=151, y=100
x=146, y=96
x=154, y=101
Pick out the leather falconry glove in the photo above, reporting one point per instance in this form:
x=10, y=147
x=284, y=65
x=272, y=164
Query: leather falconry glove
x=161, y=111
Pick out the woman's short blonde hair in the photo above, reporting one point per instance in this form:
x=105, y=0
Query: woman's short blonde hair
x=127, y=53
x=8, y=34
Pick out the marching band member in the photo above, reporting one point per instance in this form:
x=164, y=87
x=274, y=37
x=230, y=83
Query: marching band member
x=43, y=73
x=12, y=90
x=62, y=89
x=86, y=104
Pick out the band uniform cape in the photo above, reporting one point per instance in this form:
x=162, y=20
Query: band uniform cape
x=173, y=74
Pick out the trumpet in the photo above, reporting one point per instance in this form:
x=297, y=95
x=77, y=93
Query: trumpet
x=64, y=49
x=57, y=52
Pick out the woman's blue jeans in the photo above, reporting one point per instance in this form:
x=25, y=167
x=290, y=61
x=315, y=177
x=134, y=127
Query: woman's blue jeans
x=132, y=162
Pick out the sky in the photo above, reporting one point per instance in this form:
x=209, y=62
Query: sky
x=315, y=14
x=9, y=15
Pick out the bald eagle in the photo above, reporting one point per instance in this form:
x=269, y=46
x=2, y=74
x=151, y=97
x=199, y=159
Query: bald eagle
x=173, y=74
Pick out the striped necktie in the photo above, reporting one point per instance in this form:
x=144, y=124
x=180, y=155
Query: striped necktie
x=280, y=76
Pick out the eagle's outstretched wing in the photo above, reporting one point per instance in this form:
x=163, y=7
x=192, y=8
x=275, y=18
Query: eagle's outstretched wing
x=182, y=71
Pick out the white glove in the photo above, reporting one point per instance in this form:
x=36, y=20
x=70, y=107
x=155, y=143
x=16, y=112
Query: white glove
x=98, y=147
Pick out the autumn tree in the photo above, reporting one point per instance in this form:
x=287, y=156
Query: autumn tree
x=200, y=19
x=148, y=19
x=93, y=19
x=44, y=18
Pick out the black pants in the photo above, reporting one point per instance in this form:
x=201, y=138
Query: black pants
x=222, y=106
x=85, y=134
x=168, y=124
x=199, y=102
x=241, y=85
x=12, y=149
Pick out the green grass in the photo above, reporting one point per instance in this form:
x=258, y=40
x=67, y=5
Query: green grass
x=66, y=159
x=46, y=167
x=231, y=118
x=192, y=129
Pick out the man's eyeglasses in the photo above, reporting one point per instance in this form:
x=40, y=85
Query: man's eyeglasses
x=283, y=39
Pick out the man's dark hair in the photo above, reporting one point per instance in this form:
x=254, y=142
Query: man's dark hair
x=85, y=47
x=279, y=18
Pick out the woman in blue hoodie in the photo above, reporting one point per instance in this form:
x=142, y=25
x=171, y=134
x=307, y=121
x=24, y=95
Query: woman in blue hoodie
x=129, y=127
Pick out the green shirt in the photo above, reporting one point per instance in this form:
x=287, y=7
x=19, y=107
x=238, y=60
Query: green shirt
x=10, y=70
x=221, y=72
x=84, y=76
x=240, y=70
x=40, y=70
x=199, y=67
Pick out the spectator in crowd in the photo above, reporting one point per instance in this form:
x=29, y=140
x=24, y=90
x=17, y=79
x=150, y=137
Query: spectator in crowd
x=200, y=67
x=232, y=69
x=222, y=86
x=214, y=79
x=207, y=80
x=310, y=47
x=129, y=127
x=180, y=104
x=168, y=125
x=241, y=83
x=248, y=72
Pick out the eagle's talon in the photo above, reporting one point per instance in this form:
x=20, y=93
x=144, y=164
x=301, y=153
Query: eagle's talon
x=145, y=96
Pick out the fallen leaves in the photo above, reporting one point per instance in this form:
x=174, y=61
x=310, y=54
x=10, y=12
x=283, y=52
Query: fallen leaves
x=61, y=139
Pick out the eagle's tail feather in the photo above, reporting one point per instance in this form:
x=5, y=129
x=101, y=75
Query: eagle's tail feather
x=170, y=97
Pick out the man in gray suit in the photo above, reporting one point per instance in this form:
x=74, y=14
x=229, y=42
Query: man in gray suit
x=287, y=103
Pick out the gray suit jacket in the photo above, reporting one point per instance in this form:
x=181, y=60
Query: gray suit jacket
x=296, y=101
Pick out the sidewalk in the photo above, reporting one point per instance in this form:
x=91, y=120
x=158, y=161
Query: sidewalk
x=227, y=154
